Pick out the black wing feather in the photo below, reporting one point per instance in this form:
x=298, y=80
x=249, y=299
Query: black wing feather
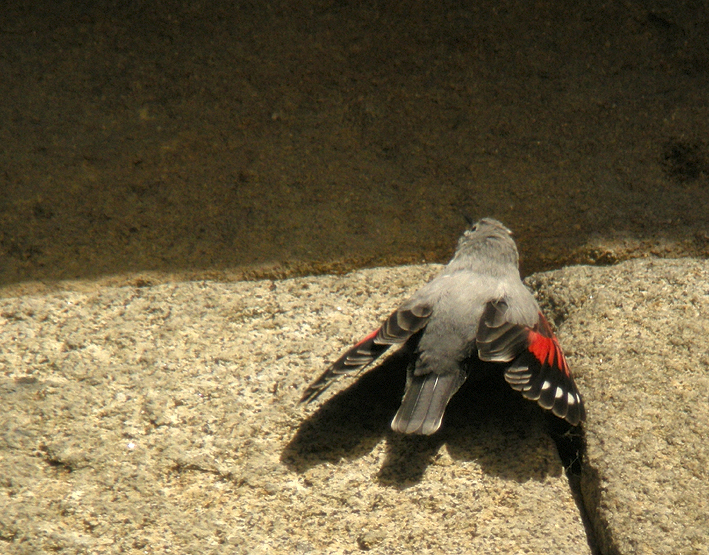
x=538, y=368
x=396, y=329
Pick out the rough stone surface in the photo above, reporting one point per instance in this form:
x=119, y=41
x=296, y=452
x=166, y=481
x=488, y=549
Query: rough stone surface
x=638, y=344
x=165, y=419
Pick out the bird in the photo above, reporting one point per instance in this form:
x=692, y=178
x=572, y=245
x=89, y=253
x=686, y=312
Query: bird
x=476, y=309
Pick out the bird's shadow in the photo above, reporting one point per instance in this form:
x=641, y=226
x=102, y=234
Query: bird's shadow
x=486, y=422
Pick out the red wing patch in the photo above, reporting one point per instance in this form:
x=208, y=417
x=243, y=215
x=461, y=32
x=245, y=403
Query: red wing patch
x=395, y=330
x=365, y=339
x=547, y=351
x=540, y=373
x=352, y=360
x=537, y=366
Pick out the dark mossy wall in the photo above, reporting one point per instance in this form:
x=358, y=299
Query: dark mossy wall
x=295, y=137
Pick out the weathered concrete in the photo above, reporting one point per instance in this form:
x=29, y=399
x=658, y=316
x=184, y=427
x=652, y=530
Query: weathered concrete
x=639, y=345
x=165, y=418
x=148, y=419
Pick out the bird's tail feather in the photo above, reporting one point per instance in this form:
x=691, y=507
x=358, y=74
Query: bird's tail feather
x=425, y=402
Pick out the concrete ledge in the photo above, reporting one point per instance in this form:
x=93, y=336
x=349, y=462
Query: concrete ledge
x=166, y=418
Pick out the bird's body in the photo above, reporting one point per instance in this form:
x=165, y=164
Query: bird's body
x=476, y=309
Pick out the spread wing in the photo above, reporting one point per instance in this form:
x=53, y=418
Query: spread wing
x=538, y=368
x=395, y=330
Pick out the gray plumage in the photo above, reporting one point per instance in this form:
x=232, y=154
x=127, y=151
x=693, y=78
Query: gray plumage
x=476, y=308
